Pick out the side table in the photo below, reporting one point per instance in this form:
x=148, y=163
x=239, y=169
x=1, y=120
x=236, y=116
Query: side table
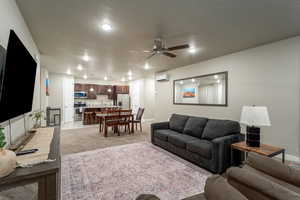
x=264, y=149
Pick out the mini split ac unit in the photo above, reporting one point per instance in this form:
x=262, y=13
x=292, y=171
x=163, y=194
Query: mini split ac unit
x=162, y=77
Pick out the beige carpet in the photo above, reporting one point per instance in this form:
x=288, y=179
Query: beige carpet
x=86, y=139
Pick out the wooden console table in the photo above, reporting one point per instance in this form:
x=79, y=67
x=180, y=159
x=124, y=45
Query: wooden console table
x=264, y=149
x=47, y=175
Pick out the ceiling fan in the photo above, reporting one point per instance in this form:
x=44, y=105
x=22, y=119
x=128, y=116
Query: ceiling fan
x=160, y=48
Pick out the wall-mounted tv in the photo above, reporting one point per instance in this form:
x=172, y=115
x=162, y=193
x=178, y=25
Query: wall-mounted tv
x=17, y=81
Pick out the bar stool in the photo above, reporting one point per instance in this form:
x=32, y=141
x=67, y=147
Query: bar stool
x=88, y=118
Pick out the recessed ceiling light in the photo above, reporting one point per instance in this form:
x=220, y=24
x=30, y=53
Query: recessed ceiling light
x=85, y=76
x=193, y=80
x=106, y=27
x=79, y=67
x=86, y=57
x=69, y=72
x=123, y=79
x=146, y=67
x=192, y=50
x=129, y=73
x=218, y=81
x=181, y=82
x=216, y=76
x=130, y=78
x=105, y=78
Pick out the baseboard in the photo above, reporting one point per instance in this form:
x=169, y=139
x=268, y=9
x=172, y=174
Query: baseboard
x=289, y=157
x=148, y=120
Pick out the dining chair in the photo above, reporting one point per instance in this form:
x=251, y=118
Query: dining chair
x=125, y=119
x=138, y=119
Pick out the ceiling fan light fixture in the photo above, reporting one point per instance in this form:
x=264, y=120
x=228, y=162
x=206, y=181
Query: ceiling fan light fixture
x=192, y=50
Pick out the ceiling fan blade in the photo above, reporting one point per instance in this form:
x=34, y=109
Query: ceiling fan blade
x=146, y=51
x=185, y=46
x=169, y=54
x=151, y=56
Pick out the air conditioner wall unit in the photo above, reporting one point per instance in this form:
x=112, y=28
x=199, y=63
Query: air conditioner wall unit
x=162, y=77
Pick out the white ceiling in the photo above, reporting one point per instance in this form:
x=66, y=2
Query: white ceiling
x=65, y=30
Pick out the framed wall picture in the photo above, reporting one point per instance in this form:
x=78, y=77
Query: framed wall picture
x=206, y=90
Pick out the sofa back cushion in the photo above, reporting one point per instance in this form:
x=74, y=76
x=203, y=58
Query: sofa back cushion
x=255, y=187
x=274, y=168
x=177, y=122
x=195, y=126
x=218, y=128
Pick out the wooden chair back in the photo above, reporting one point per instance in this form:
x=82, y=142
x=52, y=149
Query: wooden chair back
x=140, y=113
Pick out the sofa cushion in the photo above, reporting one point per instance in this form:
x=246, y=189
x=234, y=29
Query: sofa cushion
x=217, y=188
x=255, y=187
x=201, y=147
x=195, y=126
x=177, y=122
x=180, y=140
x=163, y=134
x=218, y=128
x=273, y=179
x=274, y=168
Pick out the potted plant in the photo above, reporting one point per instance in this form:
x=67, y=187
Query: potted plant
x=8, y=159
x=37, y=117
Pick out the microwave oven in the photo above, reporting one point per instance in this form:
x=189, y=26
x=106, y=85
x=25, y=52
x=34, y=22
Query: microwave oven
x=80, y=94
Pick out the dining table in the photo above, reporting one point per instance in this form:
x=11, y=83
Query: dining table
x=104, y=116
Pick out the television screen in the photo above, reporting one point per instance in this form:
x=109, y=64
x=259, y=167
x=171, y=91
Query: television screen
x=18, y=80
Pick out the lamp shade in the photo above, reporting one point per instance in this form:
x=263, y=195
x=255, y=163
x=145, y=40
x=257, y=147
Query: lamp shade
x=255, y=116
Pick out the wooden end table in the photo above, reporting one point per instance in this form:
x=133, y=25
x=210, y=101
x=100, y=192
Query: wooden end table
x=264, y=149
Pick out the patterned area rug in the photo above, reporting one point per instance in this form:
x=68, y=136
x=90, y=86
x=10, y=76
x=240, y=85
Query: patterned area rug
x=124, y=172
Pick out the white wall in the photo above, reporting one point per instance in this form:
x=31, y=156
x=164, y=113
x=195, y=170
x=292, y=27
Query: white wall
x=11, y=18
x=57, y=91
x=268, y=75
x=142, y=94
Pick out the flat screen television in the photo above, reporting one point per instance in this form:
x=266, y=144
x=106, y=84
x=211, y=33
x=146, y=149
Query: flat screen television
x=18, y=80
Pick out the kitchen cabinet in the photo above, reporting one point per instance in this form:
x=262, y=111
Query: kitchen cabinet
x=92, y=93
x=78, y=87
x=122, y=89
x=101, y=90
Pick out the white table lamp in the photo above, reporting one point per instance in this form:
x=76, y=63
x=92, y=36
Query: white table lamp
x=254, y=117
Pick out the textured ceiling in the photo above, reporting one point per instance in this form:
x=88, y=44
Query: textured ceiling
x=65, y=30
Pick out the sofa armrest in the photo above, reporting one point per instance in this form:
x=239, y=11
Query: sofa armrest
x=274, y=168
x=159, y=125
x=222, y=150
x=224, y=190
x=254, y=186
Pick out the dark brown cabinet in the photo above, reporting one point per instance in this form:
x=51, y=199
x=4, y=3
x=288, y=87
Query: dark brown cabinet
x=122, y=89
x=78, y=87
x=101, y=90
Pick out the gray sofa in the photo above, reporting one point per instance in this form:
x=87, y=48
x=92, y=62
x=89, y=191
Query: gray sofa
x=205, y=142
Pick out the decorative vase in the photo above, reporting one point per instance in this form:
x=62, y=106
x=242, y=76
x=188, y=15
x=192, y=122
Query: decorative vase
x=8, y=162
